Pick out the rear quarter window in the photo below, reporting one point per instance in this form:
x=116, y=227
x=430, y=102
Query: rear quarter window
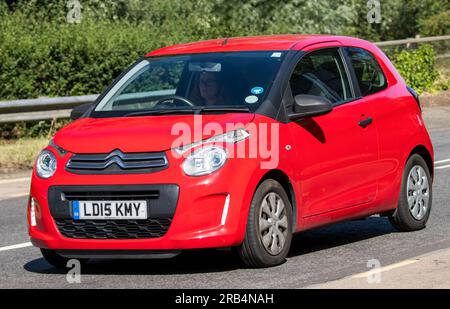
x=369, y=75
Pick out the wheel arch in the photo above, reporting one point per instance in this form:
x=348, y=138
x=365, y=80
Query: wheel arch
x=286, y=183
x=426, y=155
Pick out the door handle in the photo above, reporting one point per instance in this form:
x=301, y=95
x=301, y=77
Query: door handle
x=365, y=122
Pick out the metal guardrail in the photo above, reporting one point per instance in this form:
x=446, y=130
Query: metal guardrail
x=442, y=52
x=413, y=41
x=54, y=108
x=41, y=108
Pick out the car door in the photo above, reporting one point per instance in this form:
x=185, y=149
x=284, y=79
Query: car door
x=336, y=153
x=388, y=112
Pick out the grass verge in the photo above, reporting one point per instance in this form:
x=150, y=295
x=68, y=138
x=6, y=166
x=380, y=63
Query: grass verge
x=20, y=154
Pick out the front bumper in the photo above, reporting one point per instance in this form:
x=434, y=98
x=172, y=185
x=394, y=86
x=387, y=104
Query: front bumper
x=210, y=211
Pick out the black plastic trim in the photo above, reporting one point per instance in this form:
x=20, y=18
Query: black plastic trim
x=415, y=95
x=119, y=254
x=117, y=162
x=351, y=76
x=276, y=107
x=365, y=122
x=60, y=150
x=114, y=229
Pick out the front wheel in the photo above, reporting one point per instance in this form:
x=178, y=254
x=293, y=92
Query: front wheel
x=269, y=227
x=416, y=194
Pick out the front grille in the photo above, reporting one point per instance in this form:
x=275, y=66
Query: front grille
x=117, y=162
x=113, y=229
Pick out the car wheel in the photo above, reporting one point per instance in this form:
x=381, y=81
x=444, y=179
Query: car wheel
x=57, y=260
x=415, y=196
x=269, y=227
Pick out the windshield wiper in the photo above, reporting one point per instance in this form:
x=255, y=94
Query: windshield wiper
x=161, y=112
x=193, y=110
x=219, y=109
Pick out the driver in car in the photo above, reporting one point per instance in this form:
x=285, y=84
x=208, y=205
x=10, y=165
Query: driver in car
x=210, y=88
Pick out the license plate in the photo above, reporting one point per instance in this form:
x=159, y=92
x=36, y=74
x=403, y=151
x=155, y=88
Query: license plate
x=109, y=210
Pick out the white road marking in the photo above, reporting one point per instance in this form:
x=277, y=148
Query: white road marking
x=441, y=167
x=383, y=269
x=18, y=246
x=6, y=181
x=442, y=161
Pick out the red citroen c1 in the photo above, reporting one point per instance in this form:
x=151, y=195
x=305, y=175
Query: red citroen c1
x=236, y=142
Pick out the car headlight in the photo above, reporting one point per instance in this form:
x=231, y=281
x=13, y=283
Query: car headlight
x=229, y=137
x=46, y=164
x=205, y=161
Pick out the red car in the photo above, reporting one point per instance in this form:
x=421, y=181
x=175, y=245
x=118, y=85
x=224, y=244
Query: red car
x=236, y=142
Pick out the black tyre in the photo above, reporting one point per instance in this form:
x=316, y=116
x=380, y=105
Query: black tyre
x=416, y=196
x=269, y=227
x=57, y=260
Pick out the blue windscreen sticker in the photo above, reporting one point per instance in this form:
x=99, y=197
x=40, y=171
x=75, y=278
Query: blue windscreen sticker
x=257, y=90
x=76, y=210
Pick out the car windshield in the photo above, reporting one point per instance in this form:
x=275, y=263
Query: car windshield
x=235, y=81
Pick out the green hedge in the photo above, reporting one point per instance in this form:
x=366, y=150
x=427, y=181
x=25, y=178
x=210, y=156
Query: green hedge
x=49, y=59
x=417, y=67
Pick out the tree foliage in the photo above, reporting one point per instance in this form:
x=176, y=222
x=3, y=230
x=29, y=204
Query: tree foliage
x=42, y=55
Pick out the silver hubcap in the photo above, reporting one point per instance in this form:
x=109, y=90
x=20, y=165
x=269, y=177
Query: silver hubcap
x=418, y=192
x=273, y=223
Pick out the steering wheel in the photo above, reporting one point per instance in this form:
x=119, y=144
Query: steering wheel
x=174, y=98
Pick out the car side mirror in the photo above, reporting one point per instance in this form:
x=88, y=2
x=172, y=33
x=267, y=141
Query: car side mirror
x=79, y=111
x=310, y=105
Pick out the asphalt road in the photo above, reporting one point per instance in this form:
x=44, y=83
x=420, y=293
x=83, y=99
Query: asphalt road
x=316, y=256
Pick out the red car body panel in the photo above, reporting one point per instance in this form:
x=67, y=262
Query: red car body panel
x=269, y=42
x=337, y=170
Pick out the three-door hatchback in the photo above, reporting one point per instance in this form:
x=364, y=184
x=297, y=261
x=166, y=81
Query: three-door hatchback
x=233, y=143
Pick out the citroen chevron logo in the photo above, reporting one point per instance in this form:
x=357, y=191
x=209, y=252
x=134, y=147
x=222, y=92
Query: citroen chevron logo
x=115, y=160
x=116, y=153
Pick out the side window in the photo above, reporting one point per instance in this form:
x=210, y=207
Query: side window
x=321, y=73
x=368, y=72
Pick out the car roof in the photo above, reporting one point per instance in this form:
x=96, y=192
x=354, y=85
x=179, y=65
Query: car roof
x=254, y=43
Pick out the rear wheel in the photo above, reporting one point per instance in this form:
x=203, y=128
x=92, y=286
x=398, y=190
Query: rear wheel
x=55, y=259
x=415, y=197
x=269, y=227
